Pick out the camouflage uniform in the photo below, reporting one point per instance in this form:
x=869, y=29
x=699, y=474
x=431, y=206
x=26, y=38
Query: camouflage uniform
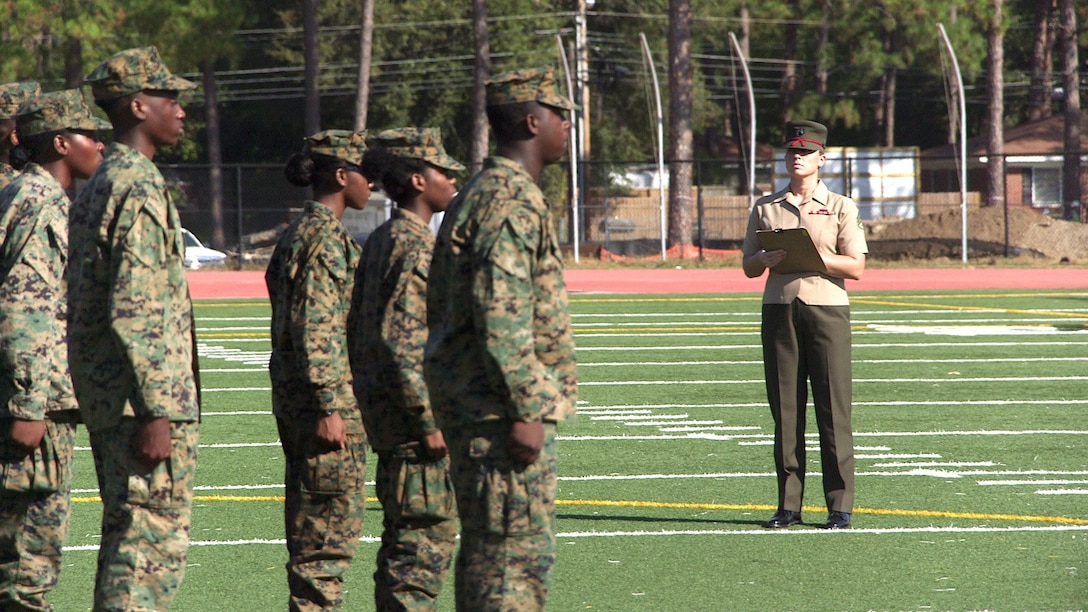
x=34, y=380
x=7, y=174
x=132, y=354
x=501, y=349
x=34, y=385
x=387, y=335
x=309, y=279
x=12, y=96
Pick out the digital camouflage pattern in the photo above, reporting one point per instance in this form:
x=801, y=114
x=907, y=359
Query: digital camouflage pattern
x=507, y=519
x=341, y=144
x=146, y=518
x=7, y=174
x=388, y=333
x=134, y=70
x=418, y=143
x=131, y=320
x=527, y=85
x=310, y=279
x=132, y=354
x=500, y=343
x=35, y=506
x=419, y=531
x=500, y=349
x=34, y=377
x=57, y=110
x=14, y=95
x=34, y=385
x=324, y=506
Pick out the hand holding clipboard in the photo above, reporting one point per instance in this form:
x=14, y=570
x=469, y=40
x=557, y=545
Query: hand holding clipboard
x=801, y=254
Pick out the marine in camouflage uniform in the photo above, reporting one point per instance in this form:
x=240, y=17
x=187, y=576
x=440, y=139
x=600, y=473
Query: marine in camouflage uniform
x=35, y=387
x=387, y=335
x=132, y=348
x=12, y=96
x=310, y=279
x=500, y=355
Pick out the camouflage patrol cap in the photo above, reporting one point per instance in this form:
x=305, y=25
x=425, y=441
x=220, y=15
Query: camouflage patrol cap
x=807, y=135
x=529, y=85
x=343, y=144
x=420, y=143
x=13, y=95
x=134, y=70
x=57, y=110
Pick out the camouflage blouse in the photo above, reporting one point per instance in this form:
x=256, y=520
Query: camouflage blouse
x=132, y=347
x=388, y=331
x=500, y=345
x=310, y=279
x=34, y=375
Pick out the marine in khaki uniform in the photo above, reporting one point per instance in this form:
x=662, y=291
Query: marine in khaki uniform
x=499, y=362
x=38, y=411
x=132, y=349
x=12, y=96
x=806, y=327
x=310, y=279
x=387, y=334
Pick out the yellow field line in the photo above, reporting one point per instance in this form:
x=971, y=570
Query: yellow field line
x=981, y=516
x=1073, y=315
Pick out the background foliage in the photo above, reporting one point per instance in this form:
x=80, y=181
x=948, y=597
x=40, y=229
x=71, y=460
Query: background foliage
x=422, y=71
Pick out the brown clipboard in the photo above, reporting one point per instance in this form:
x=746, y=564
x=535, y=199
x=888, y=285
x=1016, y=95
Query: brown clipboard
x=801, y=255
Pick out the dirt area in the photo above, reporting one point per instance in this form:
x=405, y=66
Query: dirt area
x=1029, y=234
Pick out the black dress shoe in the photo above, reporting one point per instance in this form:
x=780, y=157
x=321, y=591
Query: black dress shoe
x=783, y=519
x=837, y=520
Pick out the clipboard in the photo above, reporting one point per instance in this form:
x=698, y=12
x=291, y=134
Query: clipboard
x=801, y=255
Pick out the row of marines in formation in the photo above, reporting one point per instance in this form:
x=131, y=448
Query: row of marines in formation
x=455, y=371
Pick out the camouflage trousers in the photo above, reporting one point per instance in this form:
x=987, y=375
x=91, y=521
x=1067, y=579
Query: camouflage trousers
x=419, y=529
x=146, y=518
x=323, y=510
x=507, y=515
x=35, y=502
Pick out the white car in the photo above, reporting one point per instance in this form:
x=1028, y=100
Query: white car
x=197, y=255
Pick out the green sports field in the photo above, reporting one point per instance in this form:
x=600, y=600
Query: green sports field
x=972, y=464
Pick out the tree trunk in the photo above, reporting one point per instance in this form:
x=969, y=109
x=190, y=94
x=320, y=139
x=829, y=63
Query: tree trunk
x=1042, y=65
x=1067, y=34
x=995, y=128
x=366, y=48
x=680, y=138
x=478, y=147
x=788, y=86
x=73, y=63
x=822, y=51
x=889, y=106
x=215, y=152
x=311, y=114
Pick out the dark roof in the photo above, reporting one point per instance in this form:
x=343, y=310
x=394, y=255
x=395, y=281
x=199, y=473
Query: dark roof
x=1042, y=137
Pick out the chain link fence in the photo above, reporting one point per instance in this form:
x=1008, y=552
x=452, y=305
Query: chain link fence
x=621, y=207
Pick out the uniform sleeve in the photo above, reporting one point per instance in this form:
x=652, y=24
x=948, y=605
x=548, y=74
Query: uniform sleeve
x=851, y=239
x=406, y=337
x=29, y=322
x=141, y=305
x=751, y=243
x=319, y=326
x=503, y=302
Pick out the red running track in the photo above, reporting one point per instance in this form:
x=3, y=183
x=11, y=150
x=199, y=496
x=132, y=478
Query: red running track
x=207, y=284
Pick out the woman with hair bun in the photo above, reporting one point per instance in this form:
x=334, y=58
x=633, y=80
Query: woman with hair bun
x=310, y=279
